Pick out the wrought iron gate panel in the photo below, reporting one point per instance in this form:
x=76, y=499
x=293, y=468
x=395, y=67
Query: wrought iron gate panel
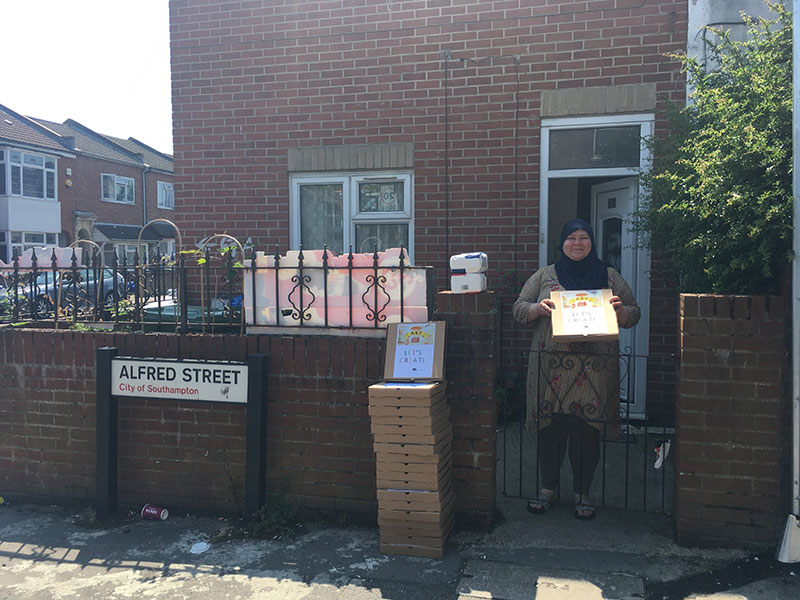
x=635, y=470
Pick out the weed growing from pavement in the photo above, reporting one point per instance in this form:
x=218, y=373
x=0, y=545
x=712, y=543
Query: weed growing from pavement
x=277, y=519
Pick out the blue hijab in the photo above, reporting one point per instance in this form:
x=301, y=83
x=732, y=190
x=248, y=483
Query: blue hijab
x=587, y=274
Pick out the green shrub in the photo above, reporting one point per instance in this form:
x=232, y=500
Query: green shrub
x=718, y=201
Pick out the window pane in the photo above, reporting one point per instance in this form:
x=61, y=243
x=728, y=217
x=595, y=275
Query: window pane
x=16, y=181
x=612, y=242
x=108, y=187
x=51, y=184
x=321, y=216
x=381, y=197
x=34, y=238
x=385, y=235
x=31, y=159
x=49, y=163
x=50, y=239
x=32, y=182
x=16, y=157
x=125, y=190
x=166, y=199
x=16, y=237
x=595, y=148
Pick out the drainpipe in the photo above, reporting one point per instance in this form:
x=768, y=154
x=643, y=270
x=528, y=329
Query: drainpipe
x=144, y=198
x=789, y=550
x=796, y=264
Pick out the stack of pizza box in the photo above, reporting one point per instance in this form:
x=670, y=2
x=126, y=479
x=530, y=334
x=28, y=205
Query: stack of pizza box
x=413, y=437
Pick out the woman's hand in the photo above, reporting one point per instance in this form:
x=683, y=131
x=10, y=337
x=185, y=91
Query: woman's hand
x=542, y=309
x=619, y=308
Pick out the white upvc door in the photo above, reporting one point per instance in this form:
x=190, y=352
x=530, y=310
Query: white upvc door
x=613, y=204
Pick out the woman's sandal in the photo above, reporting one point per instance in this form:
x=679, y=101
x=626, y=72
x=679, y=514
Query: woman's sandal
x=542, y=503
x=584, y=512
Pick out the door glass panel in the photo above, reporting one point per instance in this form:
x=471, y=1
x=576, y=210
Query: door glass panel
x=612, y=243
x=385, y=235
x=595, y=148
x=321, y=216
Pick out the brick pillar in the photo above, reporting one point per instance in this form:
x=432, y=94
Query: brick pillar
x=471, y=370
x=728, y=420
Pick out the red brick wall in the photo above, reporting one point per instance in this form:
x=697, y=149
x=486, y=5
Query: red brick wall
x=730, y=430
x=253, y=79
x=191, y=455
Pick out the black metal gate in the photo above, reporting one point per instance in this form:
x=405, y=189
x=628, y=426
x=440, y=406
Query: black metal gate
x=635, y=468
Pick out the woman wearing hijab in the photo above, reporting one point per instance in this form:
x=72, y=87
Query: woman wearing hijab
x=572, y=388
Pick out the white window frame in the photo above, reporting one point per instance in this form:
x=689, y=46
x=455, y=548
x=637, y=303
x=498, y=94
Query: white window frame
x=350, y=209
x=3, y=174
x=33, y=239
x=118, y=180
x=46, y=170
x=163, y=186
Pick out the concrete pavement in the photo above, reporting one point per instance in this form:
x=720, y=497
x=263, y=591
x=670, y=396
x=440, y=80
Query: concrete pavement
x=47, y=554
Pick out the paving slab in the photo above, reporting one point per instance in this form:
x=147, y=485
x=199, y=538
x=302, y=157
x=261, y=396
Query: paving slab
x=505, y=581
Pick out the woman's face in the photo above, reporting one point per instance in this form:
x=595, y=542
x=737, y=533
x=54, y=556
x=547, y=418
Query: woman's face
x=577, y=245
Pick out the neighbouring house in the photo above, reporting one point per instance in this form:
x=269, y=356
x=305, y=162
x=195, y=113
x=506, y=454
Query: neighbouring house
x=62, y=182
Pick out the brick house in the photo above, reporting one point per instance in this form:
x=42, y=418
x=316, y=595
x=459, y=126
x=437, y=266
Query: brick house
x=477, y=125
x=79, y=184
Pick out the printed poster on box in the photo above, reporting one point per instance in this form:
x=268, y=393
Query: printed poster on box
x=415, y=351
x=583, y=316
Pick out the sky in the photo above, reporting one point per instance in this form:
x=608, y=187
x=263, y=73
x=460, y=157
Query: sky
x=103, y=63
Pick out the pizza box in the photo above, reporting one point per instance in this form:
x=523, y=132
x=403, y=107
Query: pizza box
x=445, y=432
x=430, y=451
x=428, y=467
x=398, y=418
x=420, y=472
x=433, y=425
x=415, y=463
x=396, y=517
x=412, y=550
x=400, y=412
x=417, y=536
x=426, y=541
x=430, y=482
x=414, y=499
x=416, y=533
x=583, y=316
x=419, y=393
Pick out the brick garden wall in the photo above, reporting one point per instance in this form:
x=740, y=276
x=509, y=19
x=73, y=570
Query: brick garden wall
x=730, y=420
x=186, y=455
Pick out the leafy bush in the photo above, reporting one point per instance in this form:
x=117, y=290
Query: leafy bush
x=718, y=208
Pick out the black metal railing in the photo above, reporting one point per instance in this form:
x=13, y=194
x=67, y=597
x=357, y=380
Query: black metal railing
x=213, y=290
x=303, y=292
x=635, y=468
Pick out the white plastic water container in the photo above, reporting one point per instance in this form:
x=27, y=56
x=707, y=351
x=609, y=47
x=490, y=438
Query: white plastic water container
x=467, y=283
x=470, y=262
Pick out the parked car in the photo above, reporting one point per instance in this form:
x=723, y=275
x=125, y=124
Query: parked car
x=70, y=290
